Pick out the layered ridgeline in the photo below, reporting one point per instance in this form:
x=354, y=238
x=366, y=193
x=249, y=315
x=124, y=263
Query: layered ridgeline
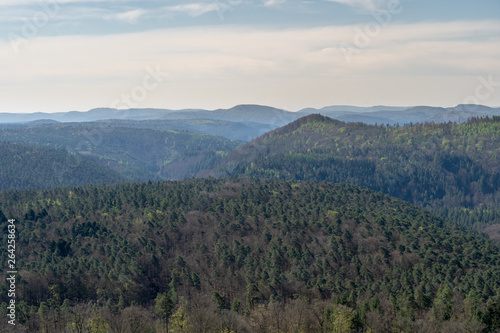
x=249, y=121
x=244, y=256
x=137, y=154
x=453, y=169
x=31, y=167
x=242, y=122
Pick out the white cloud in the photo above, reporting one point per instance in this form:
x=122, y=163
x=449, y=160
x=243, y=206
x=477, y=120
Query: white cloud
x=38, y=2
x=370, y=5
x=130, y=16
x=224, y=65
x=270, y=3
x=193, y=9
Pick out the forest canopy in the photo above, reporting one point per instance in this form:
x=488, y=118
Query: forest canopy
x=247, y=250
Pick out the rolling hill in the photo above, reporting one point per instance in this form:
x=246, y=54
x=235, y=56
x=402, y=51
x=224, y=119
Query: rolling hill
x=242, y=122
x=245, y=256
x=246, y=122
x=136, y=153
x=227, y=129
x=31, y=167
x=406, y=115
x=452, y=169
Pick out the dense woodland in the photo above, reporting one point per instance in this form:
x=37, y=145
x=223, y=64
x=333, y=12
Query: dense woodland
x=30, y=167
x=285, y=245
x=242, y=131
x=452, y=169
x=244, y=256
x=135, y=153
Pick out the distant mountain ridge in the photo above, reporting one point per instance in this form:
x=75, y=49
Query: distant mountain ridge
x=259, y=113
x=246, y=122
x=405, y=115
x=262, y=114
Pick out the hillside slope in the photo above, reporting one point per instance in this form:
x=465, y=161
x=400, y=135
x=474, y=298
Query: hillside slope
x=227, y=129
x=453, y=169
x=136, y=153
x=249, y=250
x=30, y=167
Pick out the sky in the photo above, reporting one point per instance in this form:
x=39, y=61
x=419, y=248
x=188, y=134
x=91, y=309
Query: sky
x=75, y=55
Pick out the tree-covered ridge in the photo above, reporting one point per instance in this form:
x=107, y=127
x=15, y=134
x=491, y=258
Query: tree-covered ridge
x=138, y=154
x=453, y=169
x=30, y=167
x=227, y=254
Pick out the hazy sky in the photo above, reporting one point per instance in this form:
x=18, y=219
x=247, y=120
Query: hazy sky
x=77, y=55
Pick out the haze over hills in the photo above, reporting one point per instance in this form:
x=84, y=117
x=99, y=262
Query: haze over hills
x=406, y=115
x=242, y=131
x=247, y=113
x=136, y=153
x=245, y=122
x=446, y=167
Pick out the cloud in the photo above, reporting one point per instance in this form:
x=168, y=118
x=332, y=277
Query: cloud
x=369, y=5
x=219, y=66
x=270, y=3
x=130, y=16
x=51, y=2
x=193, y=9
x=60, y=10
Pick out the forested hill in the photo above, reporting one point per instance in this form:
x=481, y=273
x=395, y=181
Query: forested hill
x=245, y=256
x=138, y=154
x=30, y=167
x=453, y=169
